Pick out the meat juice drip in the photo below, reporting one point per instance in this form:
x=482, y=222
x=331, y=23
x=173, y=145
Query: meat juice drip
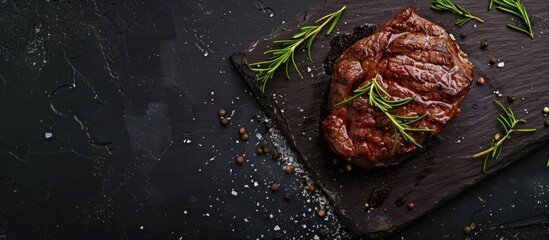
x=378, y=196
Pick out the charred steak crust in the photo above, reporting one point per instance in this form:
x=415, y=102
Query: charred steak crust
x=413, y=56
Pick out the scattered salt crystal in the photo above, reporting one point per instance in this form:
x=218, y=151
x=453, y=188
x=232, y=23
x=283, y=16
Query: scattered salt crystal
x=277, y=228
x=501, y=64
x=48, y=135
x=234, y=193
x=185, y=212
x=141, y=227
x=246, y=220
x=256, y=184
x=309, y=69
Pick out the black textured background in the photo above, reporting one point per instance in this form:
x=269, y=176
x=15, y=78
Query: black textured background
x=129, y=91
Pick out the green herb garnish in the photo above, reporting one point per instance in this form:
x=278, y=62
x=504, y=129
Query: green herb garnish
x=378, y=97
x=448, y=5
x=516, y=8
x=304, y=38
x=508, y=122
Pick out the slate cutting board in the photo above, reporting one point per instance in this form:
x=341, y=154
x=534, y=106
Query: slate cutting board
x=446, y=168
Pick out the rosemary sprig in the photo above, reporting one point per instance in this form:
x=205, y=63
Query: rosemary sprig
x=508, y=121
x=448, y=5
x=378, y=97
x=304, y=39
x=514, y=7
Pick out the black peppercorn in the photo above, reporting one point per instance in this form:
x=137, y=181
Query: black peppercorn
x=275, y=156
x=239, y=160
x=484, y=44
x=312, y=187
x=242, y=130
x=323, y=231
x=463, y=35
x=349, y=167
x=221, y=112
x=287, y=196
x=259, y=151
x=473, y=226
x=511, y=98
x=245, y=137
x=411, y=205
x=275, y=187
x=268, y=125
x=224, y=122
x=289, y=169
x=547, y=123
x=493, y=60
x=467, y=230
x=321, y=213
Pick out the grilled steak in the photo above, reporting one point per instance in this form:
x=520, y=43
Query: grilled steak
x=413, y=57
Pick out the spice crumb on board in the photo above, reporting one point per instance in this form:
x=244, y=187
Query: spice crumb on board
x=484, y=44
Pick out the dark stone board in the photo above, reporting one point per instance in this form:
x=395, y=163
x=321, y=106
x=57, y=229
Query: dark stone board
x=446, y=168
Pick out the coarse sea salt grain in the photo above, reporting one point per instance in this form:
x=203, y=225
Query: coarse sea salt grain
x=501, y=64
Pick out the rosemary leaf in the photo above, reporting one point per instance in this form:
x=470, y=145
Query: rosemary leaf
x=509, y=122
x=514, y=7
x=448, y=5
x=283, y=56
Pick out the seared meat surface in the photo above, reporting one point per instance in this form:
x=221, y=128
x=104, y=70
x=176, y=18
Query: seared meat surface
x=413, y=57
